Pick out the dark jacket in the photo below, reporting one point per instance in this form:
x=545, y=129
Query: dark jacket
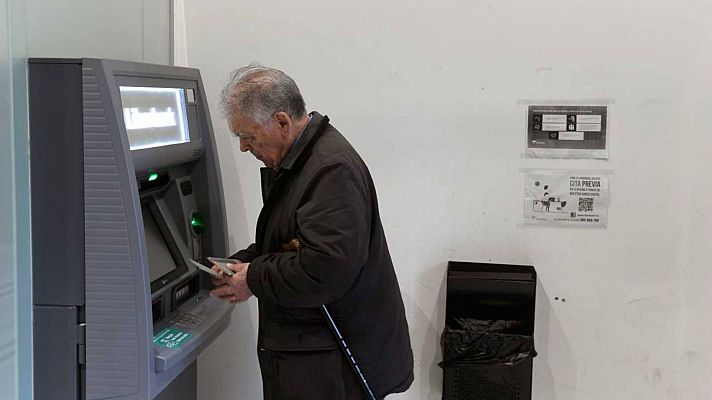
x=323, y=196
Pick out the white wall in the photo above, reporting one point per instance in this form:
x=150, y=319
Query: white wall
x=695, y=252
x=131, y=30
x=427, y=92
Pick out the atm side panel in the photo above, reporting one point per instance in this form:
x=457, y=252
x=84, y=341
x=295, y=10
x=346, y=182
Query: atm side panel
x=57, y=183
x=57, y=208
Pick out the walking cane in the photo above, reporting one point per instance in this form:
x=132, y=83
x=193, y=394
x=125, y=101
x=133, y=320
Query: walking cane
x=294, y=245
x=347, y=352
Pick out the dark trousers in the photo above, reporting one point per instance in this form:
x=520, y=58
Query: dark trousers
x=308, y=375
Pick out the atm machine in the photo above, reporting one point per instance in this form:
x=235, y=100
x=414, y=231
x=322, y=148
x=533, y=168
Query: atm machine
x=126, y=190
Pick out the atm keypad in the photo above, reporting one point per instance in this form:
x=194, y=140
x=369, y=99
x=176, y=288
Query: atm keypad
x=186, y=319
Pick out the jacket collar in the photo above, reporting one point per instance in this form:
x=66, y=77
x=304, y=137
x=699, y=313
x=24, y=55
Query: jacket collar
x=300, y=148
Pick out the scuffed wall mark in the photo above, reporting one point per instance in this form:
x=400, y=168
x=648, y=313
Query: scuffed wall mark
x=692, y=355
x=657, y=376
x=638, y=300
x=652, y=376
x=427, y=284
x=635, y=326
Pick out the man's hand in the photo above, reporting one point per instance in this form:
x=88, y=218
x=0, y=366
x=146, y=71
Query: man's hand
x=232, y=288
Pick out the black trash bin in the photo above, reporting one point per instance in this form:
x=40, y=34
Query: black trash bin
x=488, y=343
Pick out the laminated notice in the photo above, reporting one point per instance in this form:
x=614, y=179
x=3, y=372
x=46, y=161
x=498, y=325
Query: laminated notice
x=566, y=198
x=567, y=131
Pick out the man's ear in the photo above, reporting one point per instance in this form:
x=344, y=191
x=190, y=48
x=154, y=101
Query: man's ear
x=284, y=122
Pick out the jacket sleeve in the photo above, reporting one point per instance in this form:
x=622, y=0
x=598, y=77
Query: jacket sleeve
x=245, y=255
x=333, y=222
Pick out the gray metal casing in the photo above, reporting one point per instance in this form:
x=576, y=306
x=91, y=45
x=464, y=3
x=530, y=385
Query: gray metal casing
x=114, y=271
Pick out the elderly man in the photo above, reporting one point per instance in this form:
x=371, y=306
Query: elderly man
x=319, y=241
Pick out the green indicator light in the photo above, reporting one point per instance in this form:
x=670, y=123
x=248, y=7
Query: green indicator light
x=152, y=177
x=197, y=223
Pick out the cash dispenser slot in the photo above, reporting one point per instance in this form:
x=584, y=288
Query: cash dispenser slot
x=186, y=290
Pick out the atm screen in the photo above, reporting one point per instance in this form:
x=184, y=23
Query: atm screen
x=160, y=260
x=154, y=116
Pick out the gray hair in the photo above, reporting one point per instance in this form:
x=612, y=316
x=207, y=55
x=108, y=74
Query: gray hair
x=258, y=92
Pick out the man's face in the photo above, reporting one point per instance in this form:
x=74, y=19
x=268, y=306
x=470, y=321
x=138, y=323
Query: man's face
x=266, y=143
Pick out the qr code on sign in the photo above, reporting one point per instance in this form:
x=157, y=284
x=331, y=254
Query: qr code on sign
x=585, y=204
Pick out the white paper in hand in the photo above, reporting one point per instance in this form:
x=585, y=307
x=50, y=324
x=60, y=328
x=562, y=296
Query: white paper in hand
x=207, y=270
x=222, y=264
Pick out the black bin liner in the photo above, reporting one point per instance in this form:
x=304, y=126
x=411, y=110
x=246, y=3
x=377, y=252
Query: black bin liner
x=486, y=343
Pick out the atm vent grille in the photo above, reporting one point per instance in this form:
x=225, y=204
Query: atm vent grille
x=112, y=352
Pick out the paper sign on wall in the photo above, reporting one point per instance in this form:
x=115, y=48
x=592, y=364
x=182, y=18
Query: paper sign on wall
x=566, y=198
x=567, y=131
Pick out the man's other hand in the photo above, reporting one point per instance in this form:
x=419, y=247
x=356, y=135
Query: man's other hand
x=232, y=288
